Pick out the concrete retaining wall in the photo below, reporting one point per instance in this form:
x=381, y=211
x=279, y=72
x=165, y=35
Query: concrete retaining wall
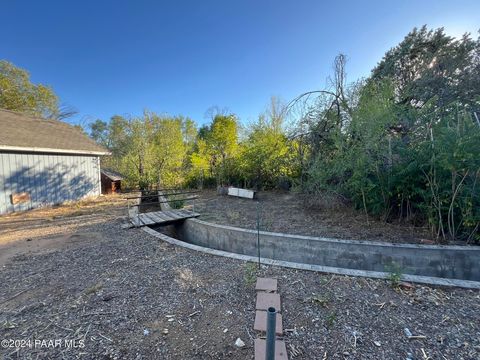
x=450, y=262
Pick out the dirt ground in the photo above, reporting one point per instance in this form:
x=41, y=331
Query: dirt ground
x=285, y=212
x=124, y=294
x=33, y=227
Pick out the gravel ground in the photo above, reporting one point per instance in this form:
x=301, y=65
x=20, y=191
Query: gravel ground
x=126, y=295
x=286, y=212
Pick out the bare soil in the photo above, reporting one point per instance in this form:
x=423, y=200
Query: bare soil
x=59, y=222
x=127, y=295
x=286, y=212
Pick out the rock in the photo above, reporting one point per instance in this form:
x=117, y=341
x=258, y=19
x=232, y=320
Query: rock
x=427, y=241
x=107, y=297
x=239, y=343
x=377, y=343
x=406, y=285
x=225, y=331
x=165, y=331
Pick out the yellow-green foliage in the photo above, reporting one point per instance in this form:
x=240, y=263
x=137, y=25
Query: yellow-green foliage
x=17, y=93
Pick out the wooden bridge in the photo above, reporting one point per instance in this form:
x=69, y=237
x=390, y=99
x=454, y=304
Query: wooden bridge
x=165, y=216
x=161, y=217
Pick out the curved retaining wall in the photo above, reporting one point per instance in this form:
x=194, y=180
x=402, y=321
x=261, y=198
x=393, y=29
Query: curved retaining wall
x=448, y=262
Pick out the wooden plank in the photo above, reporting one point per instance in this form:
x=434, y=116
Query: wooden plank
x=174, y=214
x=183, y=213
x=189, y=214
x=146, y=220
x=136, y=222
x=18, y=198
x=160, y=215
x=154, y=216
x=168, y=217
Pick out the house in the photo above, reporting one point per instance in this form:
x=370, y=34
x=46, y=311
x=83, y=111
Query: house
x=111, y=181
x=45, y=162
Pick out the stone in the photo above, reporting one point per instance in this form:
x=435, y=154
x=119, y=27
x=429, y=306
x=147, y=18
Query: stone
x=261, y=322
x=239, y=343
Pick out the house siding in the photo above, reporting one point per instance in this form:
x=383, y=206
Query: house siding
x=48, y=178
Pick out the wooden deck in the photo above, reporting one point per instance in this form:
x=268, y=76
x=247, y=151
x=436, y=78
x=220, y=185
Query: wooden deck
x=161, y=217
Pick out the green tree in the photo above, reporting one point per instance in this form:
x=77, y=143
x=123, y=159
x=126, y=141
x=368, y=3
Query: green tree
x=403, y=144
x=18, y=93
x=169, y=150
x=267, y=157
x=430, y=66
x=99, y=131
x=221, y=138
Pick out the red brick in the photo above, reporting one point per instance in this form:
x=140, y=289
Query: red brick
x=266, y=300
x=280, y=350
x=261, y=322
x=266, y=284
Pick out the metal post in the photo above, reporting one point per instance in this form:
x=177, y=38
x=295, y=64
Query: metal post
x=258, y=233
x=271, y=324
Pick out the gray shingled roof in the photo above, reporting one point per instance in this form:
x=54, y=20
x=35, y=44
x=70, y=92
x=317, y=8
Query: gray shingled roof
x=112, y=175
x=25, y=133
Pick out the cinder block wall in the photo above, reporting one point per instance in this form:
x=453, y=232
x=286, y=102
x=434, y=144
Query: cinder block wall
x=451, y=262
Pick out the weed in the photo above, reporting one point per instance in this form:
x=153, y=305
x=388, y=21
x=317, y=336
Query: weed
x=320, y=300
x=250, y=273
x=268, y=224
x=233, y=216
x=331, y=318
x=93, y=289
x=394, y=274
x=177, y=203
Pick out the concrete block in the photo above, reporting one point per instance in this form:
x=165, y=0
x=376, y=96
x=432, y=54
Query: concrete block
x=244, y=193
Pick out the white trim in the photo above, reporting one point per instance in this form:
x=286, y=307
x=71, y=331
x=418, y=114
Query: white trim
x=49, y=150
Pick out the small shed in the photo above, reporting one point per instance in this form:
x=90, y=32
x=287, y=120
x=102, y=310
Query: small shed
x=111, y=181
x=45, y=162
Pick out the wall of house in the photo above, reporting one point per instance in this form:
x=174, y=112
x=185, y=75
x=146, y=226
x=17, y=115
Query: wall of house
x=48, y=179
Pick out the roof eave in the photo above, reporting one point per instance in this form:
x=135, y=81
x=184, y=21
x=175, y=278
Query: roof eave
x=55, y=151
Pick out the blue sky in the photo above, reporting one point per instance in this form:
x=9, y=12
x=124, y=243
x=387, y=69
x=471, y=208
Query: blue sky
x=182, y=57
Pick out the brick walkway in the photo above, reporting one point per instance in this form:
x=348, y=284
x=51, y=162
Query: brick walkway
x=268, y=296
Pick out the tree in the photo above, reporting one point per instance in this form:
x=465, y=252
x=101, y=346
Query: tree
x=430, y=66
x=222, y=141
x=169, y=150
x=403, y=144
x=99, y=131
x=18, y=93
x=266, y=156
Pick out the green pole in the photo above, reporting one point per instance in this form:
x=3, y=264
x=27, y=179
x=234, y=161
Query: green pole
x=258, y=232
